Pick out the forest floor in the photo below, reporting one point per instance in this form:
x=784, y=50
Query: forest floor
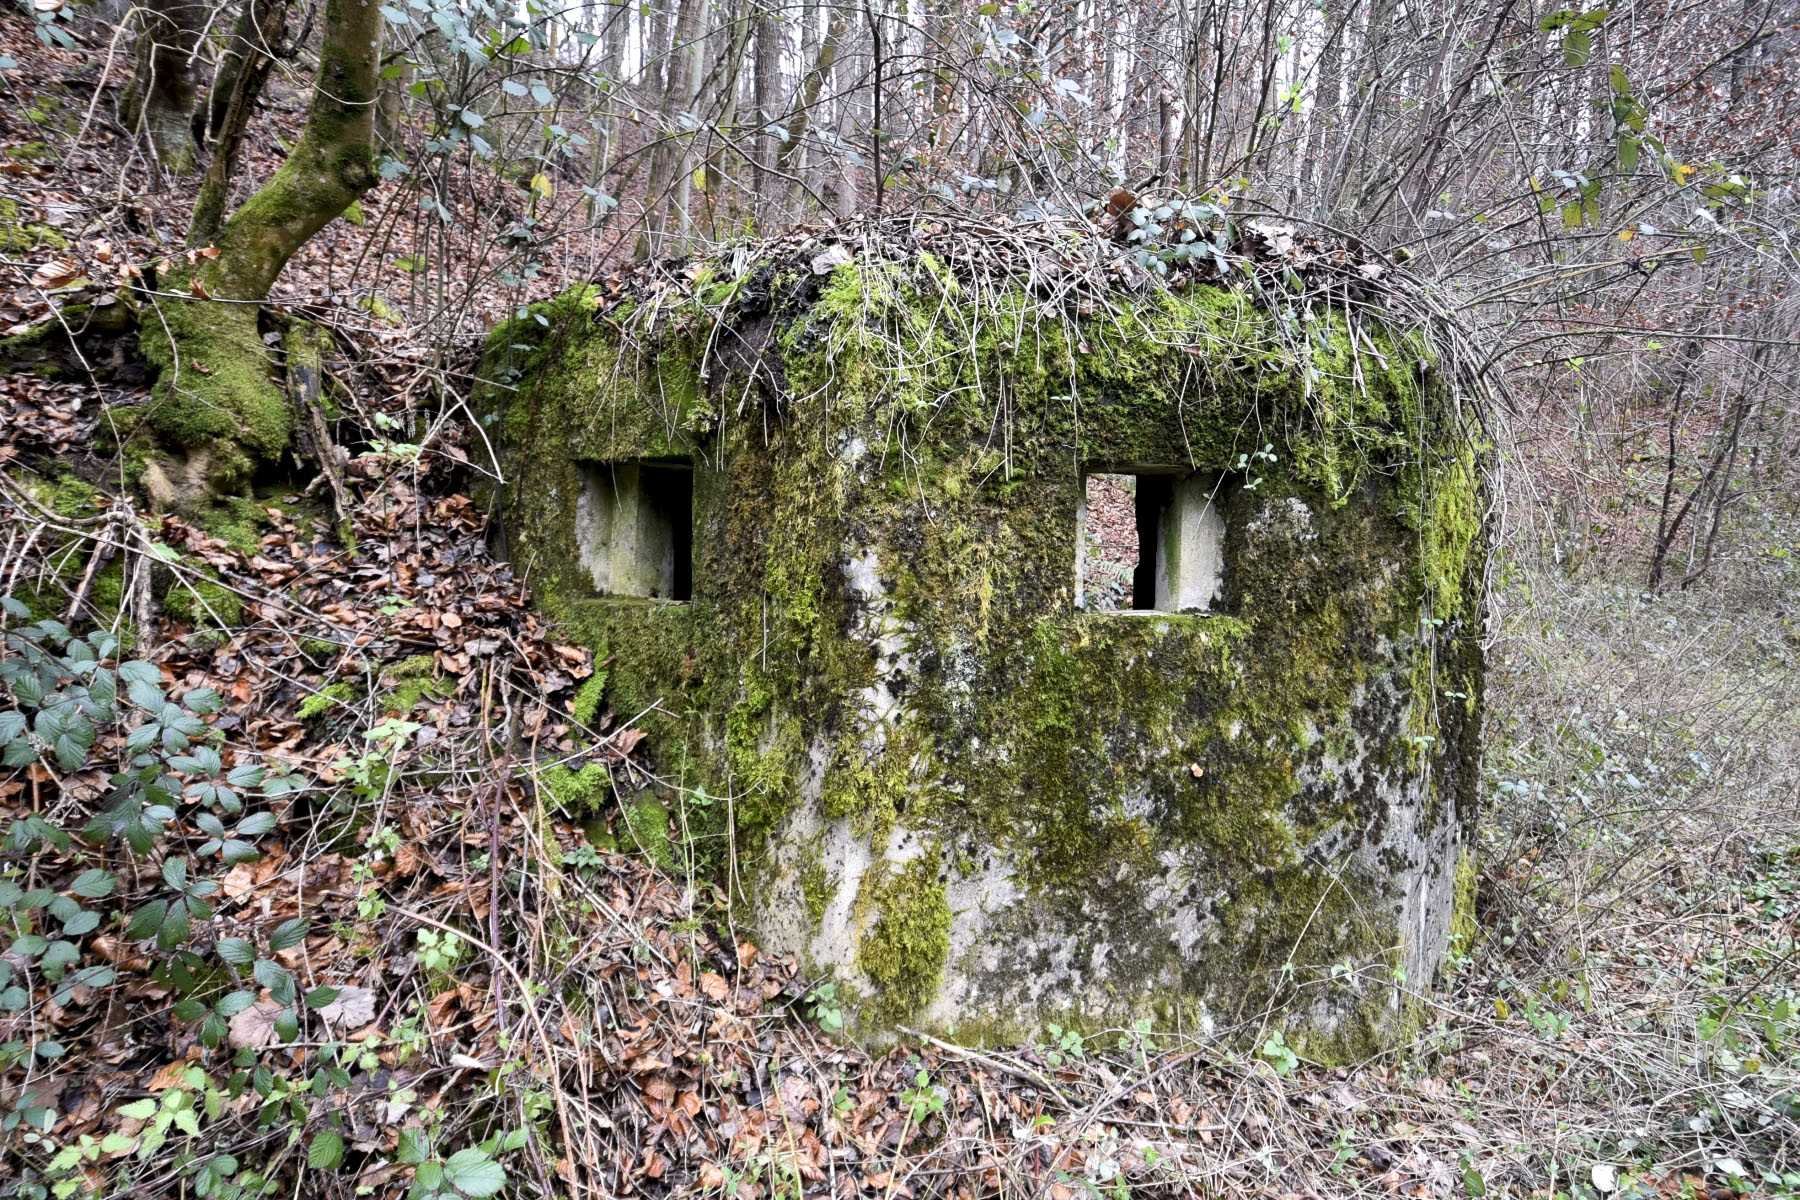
x=1624, y=1024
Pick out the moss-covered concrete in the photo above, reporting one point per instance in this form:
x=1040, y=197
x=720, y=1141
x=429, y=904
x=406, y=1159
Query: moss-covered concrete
x=976, y=806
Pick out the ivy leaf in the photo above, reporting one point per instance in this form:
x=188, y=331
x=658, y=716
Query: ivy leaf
x=175, y=927
x=138, y=671
x=234, y=1003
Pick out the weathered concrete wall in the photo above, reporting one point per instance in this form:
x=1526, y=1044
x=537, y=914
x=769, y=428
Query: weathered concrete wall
x=976, y=806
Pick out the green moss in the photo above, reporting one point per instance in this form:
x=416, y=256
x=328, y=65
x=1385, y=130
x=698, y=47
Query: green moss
x=588, y=698
x=215, y=393
x=203, y=601
x=1463, y=928
x=599, y=834
x=647, y=821
x=410, y=681
x=815, y=886
x=51, y=112
x=577, y=792
x=907, y=938
x=327, y=698
x=69, y=496
x=23, y=237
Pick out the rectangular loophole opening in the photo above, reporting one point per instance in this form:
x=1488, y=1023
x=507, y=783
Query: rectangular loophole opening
x=1148, y=541
x=634, y=524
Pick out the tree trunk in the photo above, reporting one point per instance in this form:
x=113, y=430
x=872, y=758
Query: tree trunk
x=668, y=161
x=160, y=100
x=215, y=397
x=253, y=45
x=770, y=41
x=807, y=97
x=248, y=72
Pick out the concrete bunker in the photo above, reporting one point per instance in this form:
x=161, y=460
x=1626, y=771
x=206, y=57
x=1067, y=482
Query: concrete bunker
x=886, y=718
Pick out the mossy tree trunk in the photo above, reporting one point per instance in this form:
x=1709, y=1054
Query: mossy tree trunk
x=160, y=100
x=216, y=396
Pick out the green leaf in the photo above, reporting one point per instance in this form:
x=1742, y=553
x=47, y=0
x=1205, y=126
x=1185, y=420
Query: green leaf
x=473, y=1173
x=271, y=974
x=256, y=824
x=138, y=1110
x=414, y=1148
x=1628, y=153
x=140, y=672
x=147, y=920
x=236, y=951
x=326, y=1151
x=234, y=1003
x=289, y=933
x=94, y=884
x=1577, y=46
x=175, y=928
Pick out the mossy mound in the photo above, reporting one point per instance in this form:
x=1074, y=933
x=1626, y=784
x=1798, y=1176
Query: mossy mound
x=976, y=806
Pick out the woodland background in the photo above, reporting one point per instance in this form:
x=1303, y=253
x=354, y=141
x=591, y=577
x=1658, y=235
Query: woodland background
x=351, y=949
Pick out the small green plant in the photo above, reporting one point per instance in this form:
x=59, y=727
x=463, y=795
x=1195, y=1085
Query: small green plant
x=923, y=1099
x=1139, y=1039
x=1278, y=1054
x=72, y=707
x=1065, y=1045
x=472, y=1172
x=825, y=1008
x=439, y=952
x=583, y=858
